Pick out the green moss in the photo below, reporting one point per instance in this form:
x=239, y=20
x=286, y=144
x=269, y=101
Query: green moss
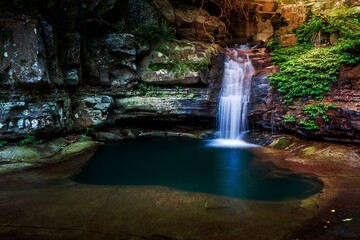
x=78, y=148
x=282, y=143
x=158, y=66
x=30, y=139
x=3, y=143
x=19, y=153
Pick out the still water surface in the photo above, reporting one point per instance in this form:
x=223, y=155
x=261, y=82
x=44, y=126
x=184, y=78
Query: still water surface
x=195, y=166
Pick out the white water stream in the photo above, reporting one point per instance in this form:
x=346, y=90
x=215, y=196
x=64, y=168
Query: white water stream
x=234, y=97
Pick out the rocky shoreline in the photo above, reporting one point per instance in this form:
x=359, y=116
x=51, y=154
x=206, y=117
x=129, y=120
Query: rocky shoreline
x=333, y=213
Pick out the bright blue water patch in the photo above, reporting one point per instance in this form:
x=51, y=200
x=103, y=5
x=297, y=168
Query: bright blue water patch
x=192, y=165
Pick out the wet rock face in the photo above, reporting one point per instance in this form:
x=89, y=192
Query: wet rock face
x=19, y=116
x=270, y=113
x=68, y=65
x=174, y=104
x=23, y=60
x=92, y=110
x=177, y=62
x=112, y=61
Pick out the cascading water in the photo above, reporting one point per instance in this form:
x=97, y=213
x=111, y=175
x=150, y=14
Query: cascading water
x=234, y=96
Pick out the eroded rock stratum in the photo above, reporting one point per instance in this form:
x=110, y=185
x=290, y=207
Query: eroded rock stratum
x=72, y=65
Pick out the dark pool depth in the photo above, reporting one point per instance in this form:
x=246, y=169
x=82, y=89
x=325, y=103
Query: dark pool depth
x=192, y=165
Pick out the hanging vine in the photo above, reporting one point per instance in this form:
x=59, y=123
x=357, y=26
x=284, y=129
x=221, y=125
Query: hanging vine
x=227, y=7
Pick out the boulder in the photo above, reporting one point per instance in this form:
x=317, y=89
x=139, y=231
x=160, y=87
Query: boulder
x=18, y=158
x=177, y=62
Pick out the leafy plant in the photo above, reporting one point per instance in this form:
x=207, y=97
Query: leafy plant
x=314, y=32
x=30, y=139
x=3, y=143
x=272, y=44
x=306, y=71
x=315, y=110
x=309, y=125
x=281, y=55
x=289, y=119
x=309, y=74
x=150, y=90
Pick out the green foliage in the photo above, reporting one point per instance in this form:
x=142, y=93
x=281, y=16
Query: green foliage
x=272, y=44
x=315, y=110
x=30, y=139
x=158, y=66
x=88, y=131
x=308, y=74
x=309, y=125
x=3, y=143
x=150, y=90
x=281, y=55
x=289, y=119
x=180, y=69
x=306, y=71
x=309, y=32
x=345, y=23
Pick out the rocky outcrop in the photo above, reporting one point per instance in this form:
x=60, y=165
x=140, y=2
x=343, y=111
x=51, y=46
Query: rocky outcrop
x=177, y=62
x=23, y=54
x=199, y=25
x=76, y=71
x=17, y=158
x=112, y=61
x=171, y=105
x=340, y=123
x=34, y=114
x=71, y=65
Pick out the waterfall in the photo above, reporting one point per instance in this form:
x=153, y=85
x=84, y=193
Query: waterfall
x=235, y=96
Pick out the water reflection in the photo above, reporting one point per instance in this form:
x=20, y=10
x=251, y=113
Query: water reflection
x=192, y=165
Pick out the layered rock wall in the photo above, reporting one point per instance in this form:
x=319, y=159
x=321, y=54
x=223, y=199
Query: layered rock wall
x=70, y=65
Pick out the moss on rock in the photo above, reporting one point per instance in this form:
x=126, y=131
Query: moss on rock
x=19, y=154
